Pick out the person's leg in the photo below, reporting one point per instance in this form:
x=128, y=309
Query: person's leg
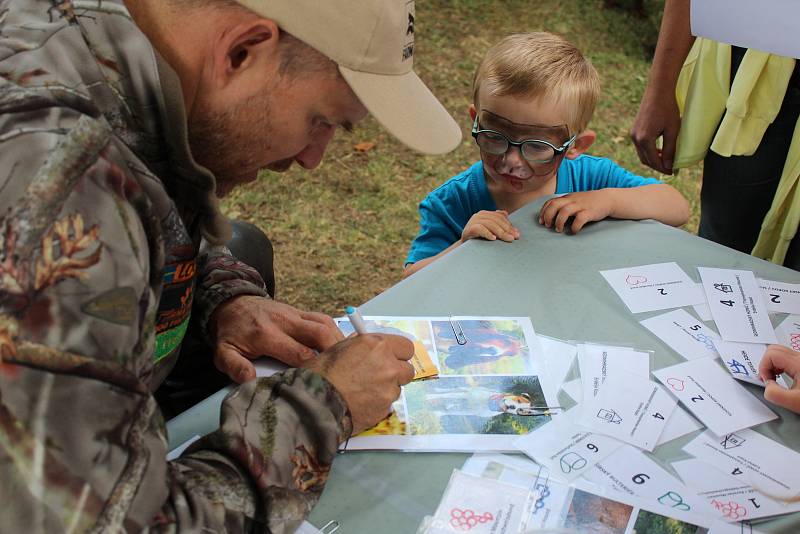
x=194, y=376
x=737, y=191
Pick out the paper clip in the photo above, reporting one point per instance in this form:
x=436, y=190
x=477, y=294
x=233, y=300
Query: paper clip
x=540, y=489
x=461, y=339
x=535, y=411
x=333, y=524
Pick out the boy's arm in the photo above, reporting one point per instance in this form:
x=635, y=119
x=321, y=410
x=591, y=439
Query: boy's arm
x=661, y=202
x=658, y=114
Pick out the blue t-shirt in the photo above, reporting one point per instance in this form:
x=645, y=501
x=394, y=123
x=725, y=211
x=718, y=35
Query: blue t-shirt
x=448, y=208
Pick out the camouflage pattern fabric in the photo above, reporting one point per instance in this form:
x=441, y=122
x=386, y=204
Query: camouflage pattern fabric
x=102, y=215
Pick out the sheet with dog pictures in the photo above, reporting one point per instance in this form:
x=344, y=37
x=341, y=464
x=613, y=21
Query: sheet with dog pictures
x=491, y=380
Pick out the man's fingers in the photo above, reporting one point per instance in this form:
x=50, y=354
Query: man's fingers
x=402, y=348
x=285, y=348
x=788, y=398
x=314, y=334
x=326, y=321
x=405, y=373
x=668, y=150
x=230, y=361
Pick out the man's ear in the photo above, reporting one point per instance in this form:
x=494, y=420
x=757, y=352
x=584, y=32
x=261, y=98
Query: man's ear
x=473, y=112
x=249, y=42
x=581, y=144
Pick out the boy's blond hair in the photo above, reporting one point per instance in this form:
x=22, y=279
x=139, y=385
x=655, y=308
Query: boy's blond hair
x=538, y=64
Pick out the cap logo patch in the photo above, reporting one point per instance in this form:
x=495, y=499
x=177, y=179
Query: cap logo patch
x=408, y=48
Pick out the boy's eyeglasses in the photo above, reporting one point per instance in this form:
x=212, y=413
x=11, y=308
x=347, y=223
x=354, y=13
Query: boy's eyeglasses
x=537, y=152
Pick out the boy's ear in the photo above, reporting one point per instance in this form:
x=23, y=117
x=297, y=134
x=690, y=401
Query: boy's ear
x=472, y=112
x=582, y=143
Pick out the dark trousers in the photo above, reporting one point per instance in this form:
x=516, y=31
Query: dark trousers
x=737, y=191
x=194, y=376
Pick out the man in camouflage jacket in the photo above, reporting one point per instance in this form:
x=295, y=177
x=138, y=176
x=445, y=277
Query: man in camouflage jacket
x=103, y=208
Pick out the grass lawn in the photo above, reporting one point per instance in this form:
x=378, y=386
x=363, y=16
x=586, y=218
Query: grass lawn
x=341, y=232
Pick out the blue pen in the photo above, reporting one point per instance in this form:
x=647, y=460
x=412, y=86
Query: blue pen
x=356, y=320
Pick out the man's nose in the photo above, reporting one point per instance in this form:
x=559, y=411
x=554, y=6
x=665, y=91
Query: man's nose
x=311, y=156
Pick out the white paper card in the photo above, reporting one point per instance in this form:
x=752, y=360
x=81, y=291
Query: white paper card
x=686, y=335
x=767, y=26
x=482, y=506
x=177, y=451
x=600, y=362
x=678, y=425
x=715, y=398
x=565, y=450
x=702, y=310
x=788, y=332
x=630, y=471
x=727, y=495
x=737, y=305
x=558, y=356
x=660, y=286
x=630, y=409
x=742, y=359
x=781, y=297
x=754, y=459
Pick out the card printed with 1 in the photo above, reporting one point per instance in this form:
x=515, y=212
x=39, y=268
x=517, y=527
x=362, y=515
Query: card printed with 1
x=737, y=304
x=753, y=458
x=712, y=396
x=659, y=286
x=728, y=495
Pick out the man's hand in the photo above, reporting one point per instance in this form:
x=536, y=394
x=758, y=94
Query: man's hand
x=367, y=370
x=248, y=327
x=658, y=116
x=584, y=207
x=779, y=359
x=490, y=225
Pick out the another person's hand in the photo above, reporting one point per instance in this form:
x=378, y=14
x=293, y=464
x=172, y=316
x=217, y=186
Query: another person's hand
x=367, y=370
x=779, y=359
x=658, y=116
x=248, y=327
x=490, y=225
x=584, y=207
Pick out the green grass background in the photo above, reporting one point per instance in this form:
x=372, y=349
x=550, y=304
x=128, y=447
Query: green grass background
x=341, y=232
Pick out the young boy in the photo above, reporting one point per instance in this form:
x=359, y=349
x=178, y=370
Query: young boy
x=533, y=96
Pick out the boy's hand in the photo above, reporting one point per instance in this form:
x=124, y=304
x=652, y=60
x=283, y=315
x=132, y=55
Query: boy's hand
x=490, y=225
x=779, y=359
x=584, y=207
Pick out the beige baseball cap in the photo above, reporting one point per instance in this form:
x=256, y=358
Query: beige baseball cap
x=372, y=41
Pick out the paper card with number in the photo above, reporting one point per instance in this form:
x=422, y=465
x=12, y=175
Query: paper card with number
x=482, y=506
x=660, y=286
x=565, y=450
x=742, y=359
x=737, y=304
x=752, y=458
x=788, y=332
x=781, y=297
x=678, y=425
x=709, y=392
x=686, y=335
x=599, y=362
x=629, y=408
x=727, y=495
x=629, y=470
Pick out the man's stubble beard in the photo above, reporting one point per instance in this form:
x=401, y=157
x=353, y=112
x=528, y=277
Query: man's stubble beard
x=228, y=143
